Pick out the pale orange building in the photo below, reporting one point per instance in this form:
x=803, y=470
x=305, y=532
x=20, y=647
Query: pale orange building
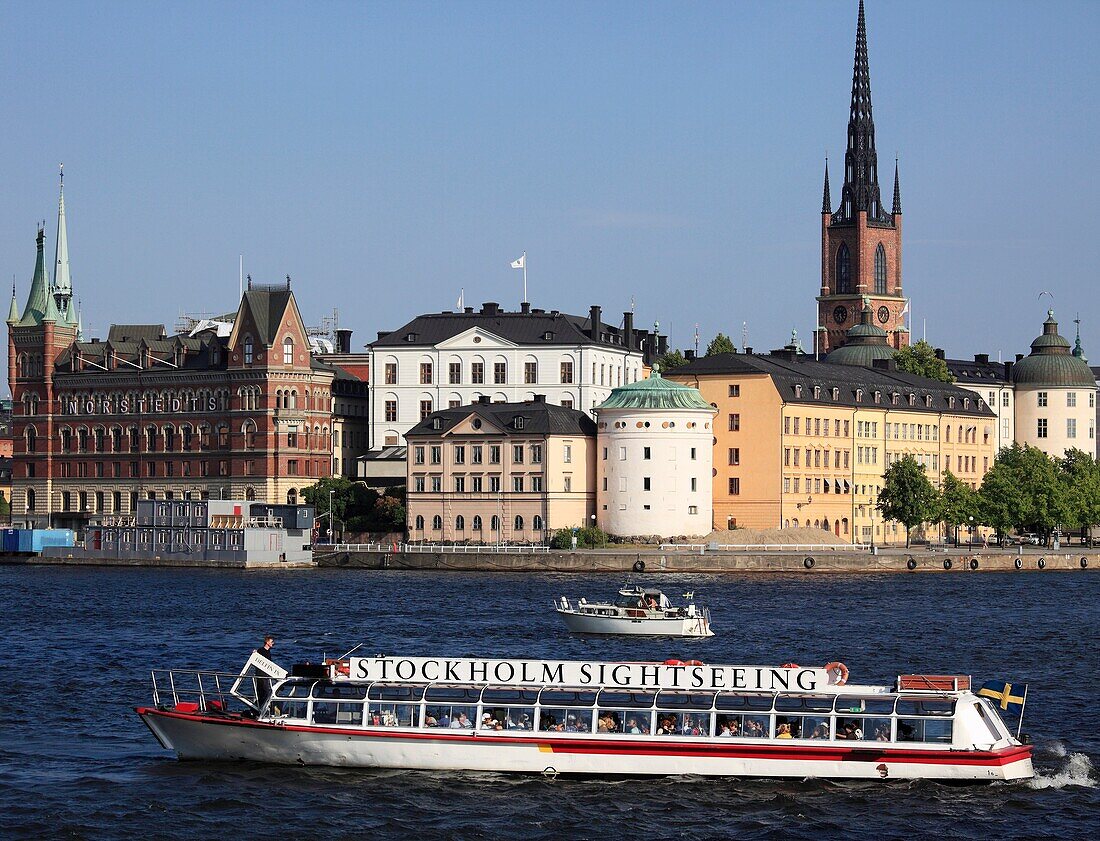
x=800, y=442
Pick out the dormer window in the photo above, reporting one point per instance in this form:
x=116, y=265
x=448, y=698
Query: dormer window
x=437, y=423
x=951, y=402
x=859, y=395
x=895, y=399
x=518, y=423
x=547, y=336
x=966, y=402
x=288, y=351
x=817, y=392
x=410, y=337
x=928, y=401
x=836, y=393
x=247, y=350
x=912, y=400
x=878, y=396
x=798, y=391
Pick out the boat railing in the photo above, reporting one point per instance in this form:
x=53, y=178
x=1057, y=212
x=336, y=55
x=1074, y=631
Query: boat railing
x=762, y=547
x=208, y=691
x=441, y=548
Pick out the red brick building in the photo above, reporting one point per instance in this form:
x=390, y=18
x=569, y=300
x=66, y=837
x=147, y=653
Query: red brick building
x=214, y=413
x=860, y=240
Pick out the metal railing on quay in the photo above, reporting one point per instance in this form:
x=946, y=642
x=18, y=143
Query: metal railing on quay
x=763, y=547
x=440, y=548
x=209, y=690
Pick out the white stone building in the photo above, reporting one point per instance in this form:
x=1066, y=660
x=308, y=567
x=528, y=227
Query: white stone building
x=444, y=360
x=654, y=444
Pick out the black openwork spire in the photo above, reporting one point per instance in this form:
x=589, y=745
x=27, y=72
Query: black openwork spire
x=826, y=203
x=861, y=190
x=897, y=190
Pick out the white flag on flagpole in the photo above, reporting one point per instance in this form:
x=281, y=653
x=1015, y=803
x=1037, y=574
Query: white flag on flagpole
x=461, y=297
x=521, y=263
x=905, y=309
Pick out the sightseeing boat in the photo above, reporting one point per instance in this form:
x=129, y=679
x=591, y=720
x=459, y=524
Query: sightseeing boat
x=570, y=717
x=639, y=611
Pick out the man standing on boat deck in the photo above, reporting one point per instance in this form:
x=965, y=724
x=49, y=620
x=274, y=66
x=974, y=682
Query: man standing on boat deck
x=263, y=684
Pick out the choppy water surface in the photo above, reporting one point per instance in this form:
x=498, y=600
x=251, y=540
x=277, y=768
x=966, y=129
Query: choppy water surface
x=77, y=646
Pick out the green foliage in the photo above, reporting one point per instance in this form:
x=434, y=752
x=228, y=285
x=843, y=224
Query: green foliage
x=1027, y=489
x=1081, y=475
x=356, y=506
x=5, y=506
x=671, y=360
x=958, y=502
x=720, y=344
x=907, y=496
x=920, y=359
x=589, y=537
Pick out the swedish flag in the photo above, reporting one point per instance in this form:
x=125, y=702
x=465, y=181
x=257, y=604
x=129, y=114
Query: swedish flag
x=1008, y=699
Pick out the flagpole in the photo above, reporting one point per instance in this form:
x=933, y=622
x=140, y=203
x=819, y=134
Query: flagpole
x=1020, y=723
x=525, y=277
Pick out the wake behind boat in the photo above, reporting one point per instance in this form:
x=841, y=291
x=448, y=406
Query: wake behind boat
x=638, y=611
x=569, y=717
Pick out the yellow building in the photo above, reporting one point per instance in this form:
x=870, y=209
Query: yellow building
x=800, y=442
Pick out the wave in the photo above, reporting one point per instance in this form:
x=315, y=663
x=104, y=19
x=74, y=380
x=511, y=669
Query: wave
x=1076, y=771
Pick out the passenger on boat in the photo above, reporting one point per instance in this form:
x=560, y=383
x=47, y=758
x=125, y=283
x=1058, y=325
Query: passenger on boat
x=263, y=684
x=852, y=731
x=724, y=731
x=430, y=721
x=783, y=731
x=734, y=728
x=651, y=602
x=821, y=732
x=444, y=720
x=462, y=722
x=632, y=727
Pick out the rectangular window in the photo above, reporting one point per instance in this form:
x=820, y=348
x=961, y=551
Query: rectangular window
x=494, y=454
x=694, y=484
x=292, y=467
x=567, y=453
x=536, y=484
x=735, y=486
x=460, y=454
x=846, y=428
x=1042, y=398
x=475, y=483
x=1071, y=427
x=391, y=373
x=622, y=453
x=647, y=483
x=500, y=373
x=1042, y=428
x=647, y=453
x=418, y=484
x=797, y=453
x=530, y=372
x=454, y=373
x=425, y=409
x=1071, y=399
x=735, y=422
x=425, y=373
x=817, y=426
x=418, y=455
x=786, y=456
x=391, y=412
x=567, y=372
x=735, y=455
x=735, y=391
x=786, y=485
x=517, y=453
x=437, y=484
x=797, y=425
x=460, y=484
x=567, y=404
x=786, y=426
x=477, y=373
x=437, y=454
x=292, y=439
x=517, y=484
x=693, y=454
x=494, y=484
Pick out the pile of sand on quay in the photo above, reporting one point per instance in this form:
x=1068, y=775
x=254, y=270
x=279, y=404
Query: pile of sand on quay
x=773, y=537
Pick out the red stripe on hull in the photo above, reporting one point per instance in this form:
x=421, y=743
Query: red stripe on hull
x=582, y=745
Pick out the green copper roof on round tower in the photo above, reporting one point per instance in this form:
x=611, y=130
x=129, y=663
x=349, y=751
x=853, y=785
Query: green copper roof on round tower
x=1051, y=363
x=655, y=392
x=864, y=343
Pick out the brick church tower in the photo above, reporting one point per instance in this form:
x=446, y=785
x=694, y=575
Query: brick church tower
x=860, y=241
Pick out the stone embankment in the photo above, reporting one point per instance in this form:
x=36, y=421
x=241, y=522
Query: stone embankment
x=640, y=562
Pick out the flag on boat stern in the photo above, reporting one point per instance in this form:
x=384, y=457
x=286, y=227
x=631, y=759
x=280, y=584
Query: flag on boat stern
x=1007, y=697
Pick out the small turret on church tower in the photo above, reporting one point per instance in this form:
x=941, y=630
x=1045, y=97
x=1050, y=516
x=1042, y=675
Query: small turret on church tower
x=860, y=240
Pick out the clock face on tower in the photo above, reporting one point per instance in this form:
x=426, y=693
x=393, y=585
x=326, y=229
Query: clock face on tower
x=840, y=315
x=883, y=315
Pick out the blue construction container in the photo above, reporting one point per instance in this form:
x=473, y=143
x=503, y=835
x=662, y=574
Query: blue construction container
x=10, y=540
x=41, y=538
x=26, y=540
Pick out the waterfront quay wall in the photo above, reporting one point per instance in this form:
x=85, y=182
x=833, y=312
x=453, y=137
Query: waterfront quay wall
x=642, y=562
x=180, y=559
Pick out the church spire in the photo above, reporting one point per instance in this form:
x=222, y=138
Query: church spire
x=861, y=189
x=40, y=286
x=897, y=191
x=826, y=203
x=13, y=310
x=62, y=283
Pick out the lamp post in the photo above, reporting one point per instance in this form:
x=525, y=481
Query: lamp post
x=970, y=540
x=330, y=495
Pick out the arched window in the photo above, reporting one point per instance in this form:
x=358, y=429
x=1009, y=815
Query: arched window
x=843, y=270
x=536, y=523
x=494, y=524
x=477, y=522
x=249, y=430
x=247, y=350
x=880, y=270
x=437, y=522
x=460, y=523
x=420, y=522
x=292, y=497
x=518, y=524
x=288, y=351
x=250, y=493
x=32, y=439
x=30, y=500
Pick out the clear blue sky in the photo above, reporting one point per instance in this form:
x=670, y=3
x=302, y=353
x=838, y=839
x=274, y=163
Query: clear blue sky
x=388, y=155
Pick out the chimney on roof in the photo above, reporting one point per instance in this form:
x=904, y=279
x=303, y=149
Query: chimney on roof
x=1008, y=370
x=343, y=341
x=383, y=333
x=594, y=320
x=468, y=310
x=981, y=358
x=940, y=354
x=554, y=313
x=540, y=398
x=748, y=350
x=485, y=399
x=525, y=308
x=884, y=364
x=788, y=354
x=689, y=354
x=628, y=329
x=1019, y=356
x=490, y=308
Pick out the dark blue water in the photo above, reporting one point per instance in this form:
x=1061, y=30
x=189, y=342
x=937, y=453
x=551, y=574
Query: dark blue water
x=77, y=645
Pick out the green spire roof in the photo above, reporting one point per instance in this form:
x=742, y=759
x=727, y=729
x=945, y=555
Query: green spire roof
x=865, y=343
x=13, y=310
x=40, y=288
x=655, y=393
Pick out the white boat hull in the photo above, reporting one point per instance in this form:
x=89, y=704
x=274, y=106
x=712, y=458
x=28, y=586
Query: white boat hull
x=582, y=623
x=200, y=737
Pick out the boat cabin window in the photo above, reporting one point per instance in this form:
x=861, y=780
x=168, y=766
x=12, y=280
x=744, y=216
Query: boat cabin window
x=293, y=689
x=620, y=698
x=877, y=705
x=804, y=703
x=565, y=720
x=623, y=711
x=459, y=694
x=814, y=727
x=454, y=707
x=937, y=730
x=738, y=726
x=323, y=689
x=730, y=701
x=507, y=696
x=281, y=708
x=395, y=692
x=685, y=700
x=337, y=712
x=928, y=706
x=682, y=722
x=567, y=698
x=864, y=719
x=508, y=708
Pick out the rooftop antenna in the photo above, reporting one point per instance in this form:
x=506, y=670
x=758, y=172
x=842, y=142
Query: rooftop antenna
x=631, y=303
x=696, y=338
x=744, y=335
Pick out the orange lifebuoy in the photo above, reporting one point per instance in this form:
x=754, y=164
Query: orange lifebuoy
x=694, y=663
x=834, y=667
x=675, y=663
x=790, y=666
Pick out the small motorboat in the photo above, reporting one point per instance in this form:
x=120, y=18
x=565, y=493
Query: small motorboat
x=638, y=610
